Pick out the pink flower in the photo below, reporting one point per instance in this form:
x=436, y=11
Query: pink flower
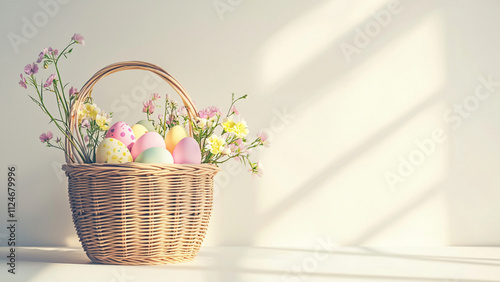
x=170, y=119
x=49, y=80
x=42, y=55
x=182, y=111
x=22, y=82
x=234, y=150
x=45, y=137
x=85, y=123
x=209, y=112
x=155, y=96
x=257, y=169
x=86, y=138
x=160, y=116
x=203, y=113
x=78, y=39
x=73, y=91
x=263, y=138
x=240, y=148
x=241, y=144
x=149, y=107
x=54, y=52
x=216, y=111
x=235, y=111
x=31, y=69
x=58, y=139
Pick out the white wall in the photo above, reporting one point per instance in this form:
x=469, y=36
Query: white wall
x=348, y=118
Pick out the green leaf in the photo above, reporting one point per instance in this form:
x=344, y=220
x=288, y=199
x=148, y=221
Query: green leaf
x=36, y=101
x=70, y=50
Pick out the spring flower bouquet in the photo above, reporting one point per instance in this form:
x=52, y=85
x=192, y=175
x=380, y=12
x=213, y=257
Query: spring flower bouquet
x=220, y=137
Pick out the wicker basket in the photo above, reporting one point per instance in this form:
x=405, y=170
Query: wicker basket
x=137, y=213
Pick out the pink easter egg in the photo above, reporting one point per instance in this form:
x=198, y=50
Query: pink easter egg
x=187, y=151
x=148, y=140
x=122, y=131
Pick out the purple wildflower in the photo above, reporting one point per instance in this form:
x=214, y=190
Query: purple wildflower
x=48, y=83
x=45, y=137
x=22, y=82
x=78, y=39
x=73, y=91
x=31, y=69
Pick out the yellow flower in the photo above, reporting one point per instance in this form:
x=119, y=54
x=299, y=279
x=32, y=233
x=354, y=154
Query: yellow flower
x=94, y=113
x=103, y=121
x=88, y=110
x=215, y=144
x=228, y=125
x=81, y=116
x=240, y=129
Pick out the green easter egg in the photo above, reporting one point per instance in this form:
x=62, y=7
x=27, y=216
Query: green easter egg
x=155, y=155
x=147, y=124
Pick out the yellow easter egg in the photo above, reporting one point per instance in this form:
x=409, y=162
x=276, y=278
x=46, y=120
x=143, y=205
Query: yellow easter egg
x=174, y=135
x=139, y=130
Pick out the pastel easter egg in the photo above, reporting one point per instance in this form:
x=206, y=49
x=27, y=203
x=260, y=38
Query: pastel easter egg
x=139, y=130
x=148, y=140
x=155, y=155
x=147, y=124
x=174, y=135
x=122, y=132
x=113, y=151
x=187, y=151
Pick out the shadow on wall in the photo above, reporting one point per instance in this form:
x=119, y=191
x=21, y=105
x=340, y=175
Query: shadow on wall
x=292, y=92
x=288, y=88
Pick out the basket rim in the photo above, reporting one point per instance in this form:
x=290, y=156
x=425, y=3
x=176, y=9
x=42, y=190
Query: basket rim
x=134, y=165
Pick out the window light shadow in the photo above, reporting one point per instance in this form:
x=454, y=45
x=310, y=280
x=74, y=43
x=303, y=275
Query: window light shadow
x=312, y=184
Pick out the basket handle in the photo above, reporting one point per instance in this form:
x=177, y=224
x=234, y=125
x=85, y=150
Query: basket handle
x=86, y=90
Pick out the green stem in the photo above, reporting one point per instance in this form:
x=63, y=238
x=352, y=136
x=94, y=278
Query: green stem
x=58, y=100
x=233, y=102
x=66, y=106
x=65, y=130
x=59, y=77
x=64, y=51
x=165, y=119
x=221, y=162
x=81, y=135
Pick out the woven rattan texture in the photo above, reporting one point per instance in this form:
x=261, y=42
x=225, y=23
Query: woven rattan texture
x=141, y=214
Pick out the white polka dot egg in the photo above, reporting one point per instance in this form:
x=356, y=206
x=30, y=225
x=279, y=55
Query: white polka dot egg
x=112, y=151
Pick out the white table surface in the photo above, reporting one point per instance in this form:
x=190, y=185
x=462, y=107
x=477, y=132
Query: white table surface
x=451, y=264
